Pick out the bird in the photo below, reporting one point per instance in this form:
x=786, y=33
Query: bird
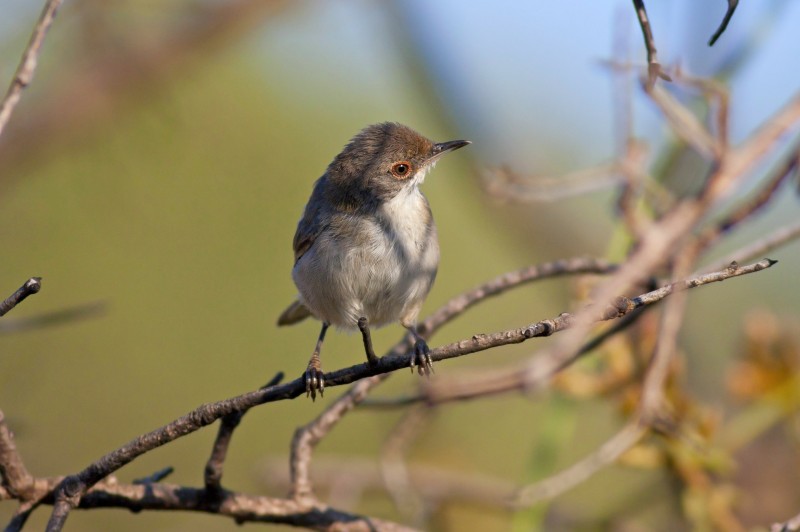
x=366, y=250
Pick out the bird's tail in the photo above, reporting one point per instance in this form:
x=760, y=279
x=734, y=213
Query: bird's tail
x=294, y=313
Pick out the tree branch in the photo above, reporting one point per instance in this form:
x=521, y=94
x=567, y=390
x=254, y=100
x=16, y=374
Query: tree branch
x=31, y=286
x=654, y=70
x=212, y=473
x=27, y=66
x=724, y=24
x=527, y=379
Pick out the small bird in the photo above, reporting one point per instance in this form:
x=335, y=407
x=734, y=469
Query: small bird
x=366, y=250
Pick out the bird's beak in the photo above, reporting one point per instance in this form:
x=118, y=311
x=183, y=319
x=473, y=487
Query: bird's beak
x=441, y=148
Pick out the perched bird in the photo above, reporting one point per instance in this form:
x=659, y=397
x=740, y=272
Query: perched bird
x=366, y=250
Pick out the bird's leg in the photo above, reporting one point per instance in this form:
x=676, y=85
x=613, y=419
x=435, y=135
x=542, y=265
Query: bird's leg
x=315, y=380
x=421, y=359
x=363, y=326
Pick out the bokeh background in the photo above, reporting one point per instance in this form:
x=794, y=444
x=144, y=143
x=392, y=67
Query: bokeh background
x=157, y=167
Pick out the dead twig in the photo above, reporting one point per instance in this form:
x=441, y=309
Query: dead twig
x=31, y=286
x=542, y=367
x=27, y=66
x=654, y=70
x=725, y=20
x=212, y=474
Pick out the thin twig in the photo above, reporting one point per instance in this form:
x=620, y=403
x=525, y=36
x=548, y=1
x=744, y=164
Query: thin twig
x=755, y=204
x=505, y=184
x=27, y=66
x=501, y=284
x=619, y=326
x=14, y=476
x=212, y=474
x=634, y=430
x=654, y=70
x=583, y=469
x=724, y=24
x=31, y=286
x=713, y=90
x=685, y=124
x=307, y=437
x=394, y=467
x=530, y=379
x=435, y=484
x=760, y=247
x=653, y=407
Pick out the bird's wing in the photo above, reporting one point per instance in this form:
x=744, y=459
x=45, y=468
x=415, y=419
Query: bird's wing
x=310, y=225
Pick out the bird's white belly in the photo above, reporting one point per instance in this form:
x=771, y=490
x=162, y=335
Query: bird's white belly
x=384, y=275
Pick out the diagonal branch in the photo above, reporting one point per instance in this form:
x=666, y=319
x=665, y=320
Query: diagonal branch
x=777, y=238
x=654, y=70
x=755, y=204
x=27, y=66
x=14, y=476
x=31, y=286
x=725, y=20
x=212, y=474
x=524, y=379
x=74, y=487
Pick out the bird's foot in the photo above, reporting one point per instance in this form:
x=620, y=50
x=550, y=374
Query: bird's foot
x=421, y=358
x=315, y=379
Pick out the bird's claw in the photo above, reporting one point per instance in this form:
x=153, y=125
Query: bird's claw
x=315, y=381
x=421, y=359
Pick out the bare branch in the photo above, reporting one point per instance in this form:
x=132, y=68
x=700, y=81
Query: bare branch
x=308, y=436
x=240, y=507
x=212, y=474
x=739, y=161
x=27, y=66
x=505, y=184
x=728, y=15
x=516, y=379
x=578, y=472
x=72, y=488
x=756, y=203
x=760, y=247
x=653, y=401
x=434, y=484
x=393, y=466
x=685, y=124
x=14, y=476
x=501, y=284
x=714, y=91
x=620, y=325
x=654, y=70
x=31, y=286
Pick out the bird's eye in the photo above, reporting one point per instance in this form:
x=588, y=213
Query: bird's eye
x=401, y=170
